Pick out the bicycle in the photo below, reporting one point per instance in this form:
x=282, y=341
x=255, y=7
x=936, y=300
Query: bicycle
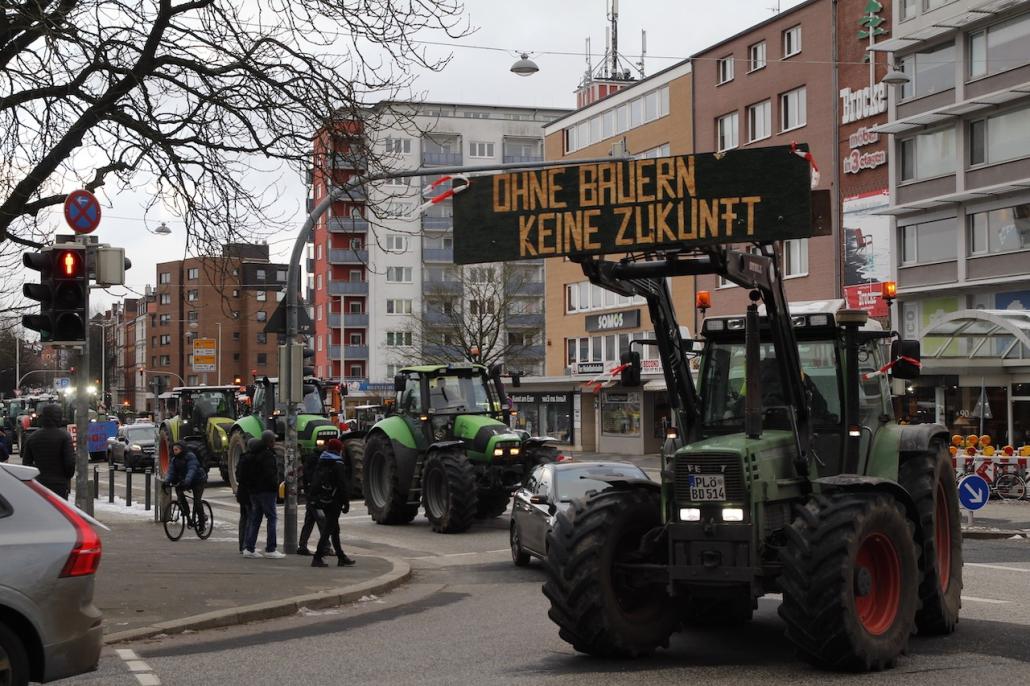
x=177, y=517
x=1010, y=486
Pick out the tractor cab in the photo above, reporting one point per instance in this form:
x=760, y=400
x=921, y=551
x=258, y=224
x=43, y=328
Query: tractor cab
x=444, y=401
x=199, y=405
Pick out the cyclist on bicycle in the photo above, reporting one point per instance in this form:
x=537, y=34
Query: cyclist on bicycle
x=186, y=472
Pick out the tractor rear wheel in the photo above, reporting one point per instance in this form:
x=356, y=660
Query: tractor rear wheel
x=355, y=448
x=850, y=581
x=492, y=503
x=599, y=608
x=164, y=452
x=930, y=480
x=449, y=492
x=383, y=497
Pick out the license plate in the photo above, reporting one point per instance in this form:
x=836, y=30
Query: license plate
x=707, y=487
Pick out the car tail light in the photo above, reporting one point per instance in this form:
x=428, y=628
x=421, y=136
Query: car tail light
x=85, y=556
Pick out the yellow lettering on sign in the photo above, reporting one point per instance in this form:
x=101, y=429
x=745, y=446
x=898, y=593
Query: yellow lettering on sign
x=729, y=217
x=544, y=231
x=553, y=188
x=526, y=248
x=708, y=214
x=683, y=234
x=642, y=180
x=588, y=185
x=665, y=175
x=537, y=192
x=573, y=227
x=519, y=192
x=589, y=241
x=751, y=201
x=685, y=177
x=627, y=214
x=502, y=182
x=606, y=183
x=665, y=232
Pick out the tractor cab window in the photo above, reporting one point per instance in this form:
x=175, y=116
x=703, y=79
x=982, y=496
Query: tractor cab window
x=724, y=387
x=451, y=393
x=312, y=400
x=873, y=394
x=410, y=400
x=258, y=402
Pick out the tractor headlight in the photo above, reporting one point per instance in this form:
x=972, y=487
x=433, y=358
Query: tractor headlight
x=515, y=451
x=732, y=514
x=319, y=441
x=136, y=448
x=498, y=452
x=690, y=514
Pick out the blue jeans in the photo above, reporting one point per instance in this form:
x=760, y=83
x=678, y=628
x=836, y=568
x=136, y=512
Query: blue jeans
x=261, y=505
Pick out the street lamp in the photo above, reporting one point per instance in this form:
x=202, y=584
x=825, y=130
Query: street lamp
x=524, y=66
x=895, y=77
x=163, y=230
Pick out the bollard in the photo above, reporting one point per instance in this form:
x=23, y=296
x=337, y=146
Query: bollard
x=147, y=479
x=128, y=488
x=110, y=483
x=96, y=483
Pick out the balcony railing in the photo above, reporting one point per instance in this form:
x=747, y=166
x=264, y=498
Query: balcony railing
x=348, y=288
x=353, y=194
x=350, y=352
x=530, y=352
x=510, y=159
x=438, y=255
x=441, y=287
x=348, y=256
x=348, y=225
x=438, y=223
x=525, y=321
x=445, y=159
x=348, y=161
x=353, y=320
x=523, y=288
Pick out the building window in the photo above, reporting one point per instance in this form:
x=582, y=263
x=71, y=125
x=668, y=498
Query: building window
x=1000, y=137
x=166, y=339
x=280, y=275
x=927, y=155
x=795, y=257
x=262, y=359
x=398, y=338
x=620, y=413
x=756, y=56
x=192, y=316
x=792, y=109
x=280, y=296
x=398, y=306
x=318, y=251
x=934, y=241
x=724, y=69
x=318, y=282
x=908, y=8
x=260, y=275
x=262, y=316
x=400, y=146
x=355, y=275
x=319, y=343
x=639, y=111
x=759, y=121
x=355, y=371
x=929, y=71
x=355, y=338
x=166, y=299
x=999, y=231
x=479, y=149
x=402, y=182
x=164, y=319
x=792, y=41
x=261, y=296
x=192, y=295
x=482, y=274
x=166, y=360
x=261, y=337
x=164, y=277
x=355, y=307
x=481, y=307
x=396, y=243
x=236, y=335
x=1000, y=47
x=726, y=132
x=193, y=274
x=398, y=274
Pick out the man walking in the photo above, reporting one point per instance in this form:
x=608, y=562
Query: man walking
x=244, y=476
x=49, y=449
x=264, y=485
x=312, y=515
x=330, y=490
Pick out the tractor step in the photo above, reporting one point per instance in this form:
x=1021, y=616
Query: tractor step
x=415, y=492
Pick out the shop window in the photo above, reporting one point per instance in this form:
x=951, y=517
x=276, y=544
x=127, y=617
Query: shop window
x=620, y=414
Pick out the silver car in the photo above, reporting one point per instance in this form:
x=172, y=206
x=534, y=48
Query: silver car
x=49, y=553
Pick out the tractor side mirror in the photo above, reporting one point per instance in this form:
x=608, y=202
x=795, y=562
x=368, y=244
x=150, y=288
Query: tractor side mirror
x=905, y=355
x=400, y=382
x=516, y=379
x=631, y=372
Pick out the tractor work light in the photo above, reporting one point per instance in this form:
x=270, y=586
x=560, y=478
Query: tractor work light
x=819, y=320
x=735, y=324
x=690, y=514
x=732, y=514
x=798, y=320
x=889, y=291
x=703, y=300
x=714, y=325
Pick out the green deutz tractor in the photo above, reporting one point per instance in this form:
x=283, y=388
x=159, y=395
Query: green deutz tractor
x=205, y=415
x=447, y=446
x=314, y=430
x=789, y=474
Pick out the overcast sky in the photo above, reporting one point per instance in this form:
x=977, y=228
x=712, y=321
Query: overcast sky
x=675, y=29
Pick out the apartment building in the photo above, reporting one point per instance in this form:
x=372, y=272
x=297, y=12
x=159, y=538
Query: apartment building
x=588, y=328
x=960, y=209
x=227, y=298
x=383, y=286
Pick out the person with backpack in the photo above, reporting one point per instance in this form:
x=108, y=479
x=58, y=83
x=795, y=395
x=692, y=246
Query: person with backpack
x=330, y=489
x=50, y=450
x=312, y=515
x=262, y=478
x=243, y=488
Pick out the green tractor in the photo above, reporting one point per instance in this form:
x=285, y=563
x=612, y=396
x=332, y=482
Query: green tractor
x=314, y=430
x=205, y=416
x=446, y=445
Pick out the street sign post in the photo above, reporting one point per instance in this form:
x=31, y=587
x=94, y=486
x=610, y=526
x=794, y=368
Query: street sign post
x=82, y=211
x=973, y=492
x=205, y=355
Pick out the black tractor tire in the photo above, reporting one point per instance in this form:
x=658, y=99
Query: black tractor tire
x=850, y=581
x=595, y=610
x=930, y=480
x=449, y=494
x=385, y=501
x=237, y=446
x=14, y=660
x=492, y=503
x=355, y=448
x=223, y=472
x=706, y=611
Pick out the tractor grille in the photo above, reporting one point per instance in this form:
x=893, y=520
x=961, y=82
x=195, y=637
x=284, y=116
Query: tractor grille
x=727, y=465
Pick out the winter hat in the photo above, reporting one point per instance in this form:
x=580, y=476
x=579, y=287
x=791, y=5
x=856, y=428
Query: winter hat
x=254, y=444
x=335, y=445
x=268, y=438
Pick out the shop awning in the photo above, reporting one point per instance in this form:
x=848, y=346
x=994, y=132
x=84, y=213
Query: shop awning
x=999, y=334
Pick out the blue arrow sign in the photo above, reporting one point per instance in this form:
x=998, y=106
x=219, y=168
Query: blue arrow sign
x=62, y=382
x=973, y=492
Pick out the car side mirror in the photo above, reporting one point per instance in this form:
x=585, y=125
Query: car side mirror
x=905, y=356
x=538, y=499
x=400, y=382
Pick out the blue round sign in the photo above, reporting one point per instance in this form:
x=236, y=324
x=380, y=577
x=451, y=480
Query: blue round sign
x=973, y=492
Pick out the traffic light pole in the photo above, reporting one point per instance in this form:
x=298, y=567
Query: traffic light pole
x=83, y=492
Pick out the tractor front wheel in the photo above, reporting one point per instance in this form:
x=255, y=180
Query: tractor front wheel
x=449, y=491
x=850, y=582
x=355, y=448
x=600, y=605
x=383, y=497
x=237, y=446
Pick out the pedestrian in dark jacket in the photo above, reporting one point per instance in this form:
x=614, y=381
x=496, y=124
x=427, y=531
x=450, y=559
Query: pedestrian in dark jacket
x=5, y=445
x=186, y=472
x=49, y=449
x=330, y=491
x=243, y=489
x=263, y=482
x=312, y=515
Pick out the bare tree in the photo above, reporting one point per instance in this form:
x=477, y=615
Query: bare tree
x=185, y=97
x=489, y=308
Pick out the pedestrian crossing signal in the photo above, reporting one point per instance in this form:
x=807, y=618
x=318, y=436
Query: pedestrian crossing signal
x=62, y=293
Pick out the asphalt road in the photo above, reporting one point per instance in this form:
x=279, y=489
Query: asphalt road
x=469, y=616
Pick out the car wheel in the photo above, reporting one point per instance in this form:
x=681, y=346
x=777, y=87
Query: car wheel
x=519, y=556
x=14, y=662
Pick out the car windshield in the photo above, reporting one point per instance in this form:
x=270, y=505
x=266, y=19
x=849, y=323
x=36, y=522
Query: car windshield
x=581, y=481
x=135, y=434
x=454, y=393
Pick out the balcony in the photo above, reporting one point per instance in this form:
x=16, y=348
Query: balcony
x=444, y=351
x=348, y=256
x=530, y=352
x=349, y=161
x=441, y=159
x=520, y=159
x=437, y=223
x=352, y=193
x=441, y=287
x=355, y=320
x=525, y=321
x=438, y=255
x=350, y=352
x=524, y=288
x=348, y=288
x=348, y=225
x=432, y=318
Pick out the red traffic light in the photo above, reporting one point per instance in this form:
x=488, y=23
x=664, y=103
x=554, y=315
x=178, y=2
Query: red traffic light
x=68, y=264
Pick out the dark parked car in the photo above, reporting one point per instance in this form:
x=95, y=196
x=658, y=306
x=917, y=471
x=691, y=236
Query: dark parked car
x=49, y=552
x=135, y=446
x=551, y=487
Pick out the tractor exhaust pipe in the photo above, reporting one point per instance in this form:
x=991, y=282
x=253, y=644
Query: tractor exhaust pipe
x=752, y=351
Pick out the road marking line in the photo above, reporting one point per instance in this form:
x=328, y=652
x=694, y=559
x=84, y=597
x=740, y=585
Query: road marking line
x=137, y=666
x=478, y=552
x=140, y=669
x=148, y=679
x=1001, y=567
x=126, y=654
x=992, y=601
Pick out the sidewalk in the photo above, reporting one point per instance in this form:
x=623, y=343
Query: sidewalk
x=147, y=585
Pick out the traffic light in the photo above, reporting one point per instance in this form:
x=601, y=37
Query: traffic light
x=63, y=294
x=306, y=371
x=41, y=292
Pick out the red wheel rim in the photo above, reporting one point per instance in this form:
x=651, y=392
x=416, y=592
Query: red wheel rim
x=942, y=535
x=878, y=607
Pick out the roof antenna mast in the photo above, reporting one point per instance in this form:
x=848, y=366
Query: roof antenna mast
x=613, y=16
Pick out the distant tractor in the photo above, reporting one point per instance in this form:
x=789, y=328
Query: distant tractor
x=205, y=415
x=447, y=447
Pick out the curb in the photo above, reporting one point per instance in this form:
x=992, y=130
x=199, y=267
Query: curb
x=400, y=572
x=993, y=534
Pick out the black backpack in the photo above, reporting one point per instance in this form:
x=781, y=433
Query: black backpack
x=325, y=476
x=246, y=471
